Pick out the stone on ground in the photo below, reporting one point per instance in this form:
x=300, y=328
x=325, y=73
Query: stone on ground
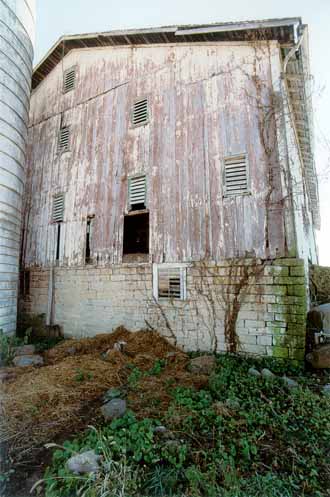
x=28, y=360
x=164, y=432
x=266, y=373
x=120, y=346
x=25, y=350
x=112, y=393
x=289, y=382
x=87, y=462
x=204, y=364
x=115, y=408
x=254, y=372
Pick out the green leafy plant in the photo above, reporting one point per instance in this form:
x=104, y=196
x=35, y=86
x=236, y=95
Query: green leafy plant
x=8, y=343
x=134, y=377
x=81, y=375
x=115, y=478
x=239, y=436
x=157, y=368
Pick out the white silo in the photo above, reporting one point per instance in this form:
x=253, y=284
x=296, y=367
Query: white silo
x=17, y=24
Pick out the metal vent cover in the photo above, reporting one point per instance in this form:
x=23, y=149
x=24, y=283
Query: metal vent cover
x=64, y=139
x=69, y=80
x=140, y=112
x=58, y=208
x=170, y=282
x=235, y=175
x=137, y=190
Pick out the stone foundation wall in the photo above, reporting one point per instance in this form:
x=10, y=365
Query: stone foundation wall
x=242, y=305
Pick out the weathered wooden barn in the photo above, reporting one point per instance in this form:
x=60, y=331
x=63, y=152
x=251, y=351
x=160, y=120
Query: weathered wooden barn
x=171, y=185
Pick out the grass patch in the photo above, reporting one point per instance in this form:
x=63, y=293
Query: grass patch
x=238, y=436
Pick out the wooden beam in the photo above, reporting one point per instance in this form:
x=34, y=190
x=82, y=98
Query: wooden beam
x=241, y=26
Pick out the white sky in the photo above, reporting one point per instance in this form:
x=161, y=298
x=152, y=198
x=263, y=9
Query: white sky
x=58, y=17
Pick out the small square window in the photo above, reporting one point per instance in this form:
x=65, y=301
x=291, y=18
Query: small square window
x=169, y=281
x=140, y=112
x=64, y=139
x=69, y=80
x=235, y=175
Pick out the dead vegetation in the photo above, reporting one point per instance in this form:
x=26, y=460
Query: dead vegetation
x=53, y=402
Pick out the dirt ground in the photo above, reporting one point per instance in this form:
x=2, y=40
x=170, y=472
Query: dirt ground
x=58, y=400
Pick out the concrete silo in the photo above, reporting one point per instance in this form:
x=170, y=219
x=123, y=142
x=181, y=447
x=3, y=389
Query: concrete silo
x=17, y=22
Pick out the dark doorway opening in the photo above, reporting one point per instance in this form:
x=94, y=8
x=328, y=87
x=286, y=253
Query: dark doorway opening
x=136, y=237
x=88, y=258
x=58, y=242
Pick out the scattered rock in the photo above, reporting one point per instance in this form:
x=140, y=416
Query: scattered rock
x=204, y=364
x=266, y=373
x=160, y=429
x=326, y=389
x=254, y=372
x=25, y=350
x=28, y=360
x=120, y=346
x=289, y=382
x=115, y=408
x=87, y=462
x=164, y=433
x=112, y=393
x=320, y=357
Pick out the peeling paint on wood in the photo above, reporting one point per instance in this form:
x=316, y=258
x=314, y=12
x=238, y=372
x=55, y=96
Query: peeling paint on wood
x=202, y=109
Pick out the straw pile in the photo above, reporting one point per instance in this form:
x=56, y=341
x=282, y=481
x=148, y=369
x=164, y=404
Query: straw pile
x=56, y=401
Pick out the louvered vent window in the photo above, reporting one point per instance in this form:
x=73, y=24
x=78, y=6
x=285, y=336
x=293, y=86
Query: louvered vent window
x=64, y=139
x=140, y=112
x=170, y=282
x=236, y=175
x=137, y=190
x=69, y=80
x=58, y=208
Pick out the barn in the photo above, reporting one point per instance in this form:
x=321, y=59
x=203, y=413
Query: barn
x=171, y=185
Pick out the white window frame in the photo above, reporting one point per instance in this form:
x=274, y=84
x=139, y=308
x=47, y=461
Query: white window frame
x=183, y=281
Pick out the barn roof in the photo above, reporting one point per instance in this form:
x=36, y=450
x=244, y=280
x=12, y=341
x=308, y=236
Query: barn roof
x=283, y=30
x=286, y=31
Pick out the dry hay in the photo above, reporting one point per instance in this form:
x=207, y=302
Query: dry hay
x=60, y=399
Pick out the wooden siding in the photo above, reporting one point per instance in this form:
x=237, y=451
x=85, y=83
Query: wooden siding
x=202, y=109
